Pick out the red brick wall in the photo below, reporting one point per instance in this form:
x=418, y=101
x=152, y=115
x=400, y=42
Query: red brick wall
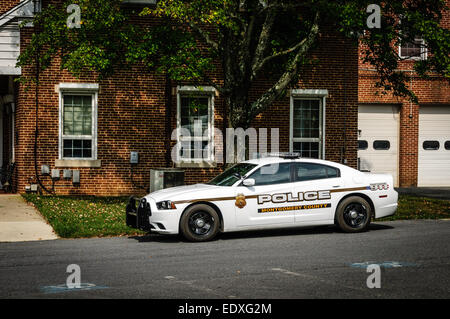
x=6, y=5
x=131, y=117
x=435, y=90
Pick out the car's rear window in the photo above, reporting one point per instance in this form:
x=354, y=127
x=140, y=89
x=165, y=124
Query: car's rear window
x=312, y=171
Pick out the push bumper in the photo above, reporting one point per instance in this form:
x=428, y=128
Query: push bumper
x=138, y=217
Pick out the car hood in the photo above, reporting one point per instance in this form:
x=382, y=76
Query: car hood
x=195, y=191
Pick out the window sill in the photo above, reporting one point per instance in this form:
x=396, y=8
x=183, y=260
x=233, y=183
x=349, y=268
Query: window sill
x=77, y=163
x=196, y=164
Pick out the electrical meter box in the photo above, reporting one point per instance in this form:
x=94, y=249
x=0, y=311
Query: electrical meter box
x=165, y=177
x=45, y=170
x=134, y=157
x=55, y=174
x=76, y=176
x=67, y=174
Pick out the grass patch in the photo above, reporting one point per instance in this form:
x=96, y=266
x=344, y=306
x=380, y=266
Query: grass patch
x=413, y=207
x=84, y=216
x=89, y=216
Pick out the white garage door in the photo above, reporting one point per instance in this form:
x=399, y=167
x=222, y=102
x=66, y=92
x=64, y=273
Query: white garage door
x=434, y=146
x=378, y=128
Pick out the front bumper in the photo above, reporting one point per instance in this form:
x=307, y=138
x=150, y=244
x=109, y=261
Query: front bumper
x=142, y=213
x=138, y=217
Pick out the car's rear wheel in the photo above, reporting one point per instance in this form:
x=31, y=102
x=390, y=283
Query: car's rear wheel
x=353, y=214
x=199, y=223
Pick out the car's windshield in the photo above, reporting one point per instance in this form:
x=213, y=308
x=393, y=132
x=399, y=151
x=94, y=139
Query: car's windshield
x=231, y=175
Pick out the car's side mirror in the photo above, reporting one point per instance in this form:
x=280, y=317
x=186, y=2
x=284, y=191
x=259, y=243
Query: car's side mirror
x=249, y=182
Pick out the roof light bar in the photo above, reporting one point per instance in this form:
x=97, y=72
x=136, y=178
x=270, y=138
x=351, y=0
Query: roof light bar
x=285, y=155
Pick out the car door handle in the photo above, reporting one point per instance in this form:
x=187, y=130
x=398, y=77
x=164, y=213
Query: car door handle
x=335, y=186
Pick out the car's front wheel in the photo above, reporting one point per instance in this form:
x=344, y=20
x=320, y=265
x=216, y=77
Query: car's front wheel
x=199, y=223
x=353, y=214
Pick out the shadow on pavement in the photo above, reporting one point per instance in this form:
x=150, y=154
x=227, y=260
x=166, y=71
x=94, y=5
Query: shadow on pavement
x=157, y=238
x=317, y=230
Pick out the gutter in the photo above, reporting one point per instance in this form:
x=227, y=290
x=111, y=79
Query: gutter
x=25, y=9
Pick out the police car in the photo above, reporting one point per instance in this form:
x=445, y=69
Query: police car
x=264, y=193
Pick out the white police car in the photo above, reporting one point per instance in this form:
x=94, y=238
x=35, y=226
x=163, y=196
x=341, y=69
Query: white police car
x=271, y=192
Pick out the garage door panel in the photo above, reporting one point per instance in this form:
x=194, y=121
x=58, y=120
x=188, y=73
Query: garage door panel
x=434, y=165
x=379, y=123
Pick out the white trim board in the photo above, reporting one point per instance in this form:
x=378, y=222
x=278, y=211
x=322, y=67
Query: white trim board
x=78, y=88
x=319, y=94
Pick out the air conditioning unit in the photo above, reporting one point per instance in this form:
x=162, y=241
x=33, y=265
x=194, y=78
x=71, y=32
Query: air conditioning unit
x=165, y=177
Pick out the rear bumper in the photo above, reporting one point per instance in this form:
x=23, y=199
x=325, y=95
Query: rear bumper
x=385, y=211
x=388, y=209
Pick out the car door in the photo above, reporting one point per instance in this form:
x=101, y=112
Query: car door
x=264, y=202
x=313, y=185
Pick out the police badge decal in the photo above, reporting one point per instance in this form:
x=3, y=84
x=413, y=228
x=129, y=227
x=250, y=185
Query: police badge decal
x=240, y=200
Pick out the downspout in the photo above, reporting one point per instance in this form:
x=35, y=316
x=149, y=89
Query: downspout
x=344, y=140
x=168, y=93
x=11, y=91
x=36, y=132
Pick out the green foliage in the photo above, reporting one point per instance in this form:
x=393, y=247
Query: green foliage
x=412, y=207
x=85, y=216
x=97, y=46
x=188, y=39
x=110, y=38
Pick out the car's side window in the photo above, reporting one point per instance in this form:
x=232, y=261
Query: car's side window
x=312, y=171
x=272, y=174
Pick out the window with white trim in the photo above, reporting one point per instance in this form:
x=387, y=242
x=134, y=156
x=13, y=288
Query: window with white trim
x=77, y=123
x=414, y=50
x=307, y=122
x=195, y=123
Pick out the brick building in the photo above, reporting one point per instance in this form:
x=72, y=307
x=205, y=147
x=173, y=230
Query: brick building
x=91, y=127
x=410, y=141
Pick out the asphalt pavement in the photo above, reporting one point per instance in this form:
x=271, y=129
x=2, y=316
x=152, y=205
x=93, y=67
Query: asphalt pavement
x=414, y=258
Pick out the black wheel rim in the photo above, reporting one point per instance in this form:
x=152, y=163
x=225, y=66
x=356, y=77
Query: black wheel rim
x=201, y=223
x=355, y=215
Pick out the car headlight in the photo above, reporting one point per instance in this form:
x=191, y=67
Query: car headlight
x=166, y=204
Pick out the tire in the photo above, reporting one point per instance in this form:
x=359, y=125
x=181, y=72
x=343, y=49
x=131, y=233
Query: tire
x=199, y=223
x=353, y=215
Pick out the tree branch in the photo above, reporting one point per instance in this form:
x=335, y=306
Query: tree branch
x=263, y=42
x=292, y=70
x=261, y=64
x=204, y=35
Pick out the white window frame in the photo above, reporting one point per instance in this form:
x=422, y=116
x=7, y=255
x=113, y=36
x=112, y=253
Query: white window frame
x=423, y=51
x=78, y=89
x=206, y=91
x=309, y=94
